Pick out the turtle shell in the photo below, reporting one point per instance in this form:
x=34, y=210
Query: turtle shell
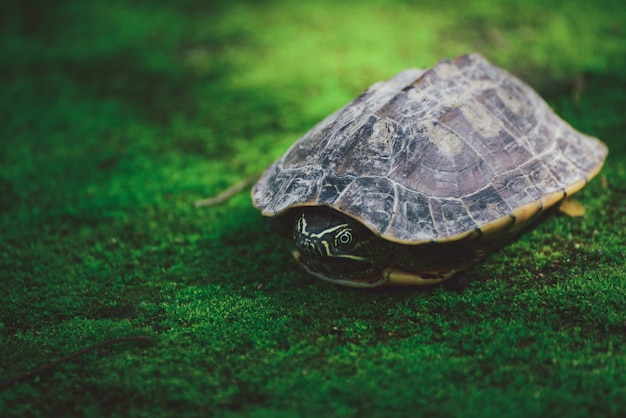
x=434, y=155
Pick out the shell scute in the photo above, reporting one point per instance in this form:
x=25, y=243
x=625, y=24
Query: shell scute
x=332, y=187
x=436, y=161
x=413, y=217
x=540, y=177
x=371, y=200
x=370, y=145
x=516, y=188
x=451, y=217
x=486, y=205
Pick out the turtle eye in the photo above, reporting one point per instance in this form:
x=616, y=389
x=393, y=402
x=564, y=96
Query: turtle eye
x=343, y=239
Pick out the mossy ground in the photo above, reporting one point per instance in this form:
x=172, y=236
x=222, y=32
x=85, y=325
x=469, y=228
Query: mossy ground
x=118, y=115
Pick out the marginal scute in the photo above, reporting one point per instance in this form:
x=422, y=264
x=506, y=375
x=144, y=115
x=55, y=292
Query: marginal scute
x=293, y=186
x=434, y=156
x=450, y=217
x=516, y=188
x=371, y=200
x=332, y=187
x=412, y=217
x=485, y=205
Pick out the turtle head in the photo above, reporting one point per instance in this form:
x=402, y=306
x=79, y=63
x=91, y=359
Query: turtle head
x=334, y=247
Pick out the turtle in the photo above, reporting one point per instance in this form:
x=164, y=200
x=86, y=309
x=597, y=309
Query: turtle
x=422, y=176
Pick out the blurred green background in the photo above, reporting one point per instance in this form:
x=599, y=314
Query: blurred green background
x=117, y=115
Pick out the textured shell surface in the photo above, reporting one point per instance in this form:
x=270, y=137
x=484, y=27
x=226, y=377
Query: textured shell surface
x=431, y=154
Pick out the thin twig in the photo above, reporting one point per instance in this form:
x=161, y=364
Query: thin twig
x=43, y=369
x=228, y=193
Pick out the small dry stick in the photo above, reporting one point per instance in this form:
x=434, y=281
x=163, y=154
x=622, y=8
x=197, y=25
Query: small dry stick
x=228, y=193
x=43, y=369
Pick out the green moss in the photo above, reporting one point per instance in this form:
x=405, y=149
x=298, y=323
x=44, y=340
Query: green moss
x=118, y=115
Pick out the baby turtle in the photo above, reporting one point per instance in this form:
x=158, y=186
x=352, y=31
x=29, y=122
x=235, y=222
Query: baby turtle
x=422, y=176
